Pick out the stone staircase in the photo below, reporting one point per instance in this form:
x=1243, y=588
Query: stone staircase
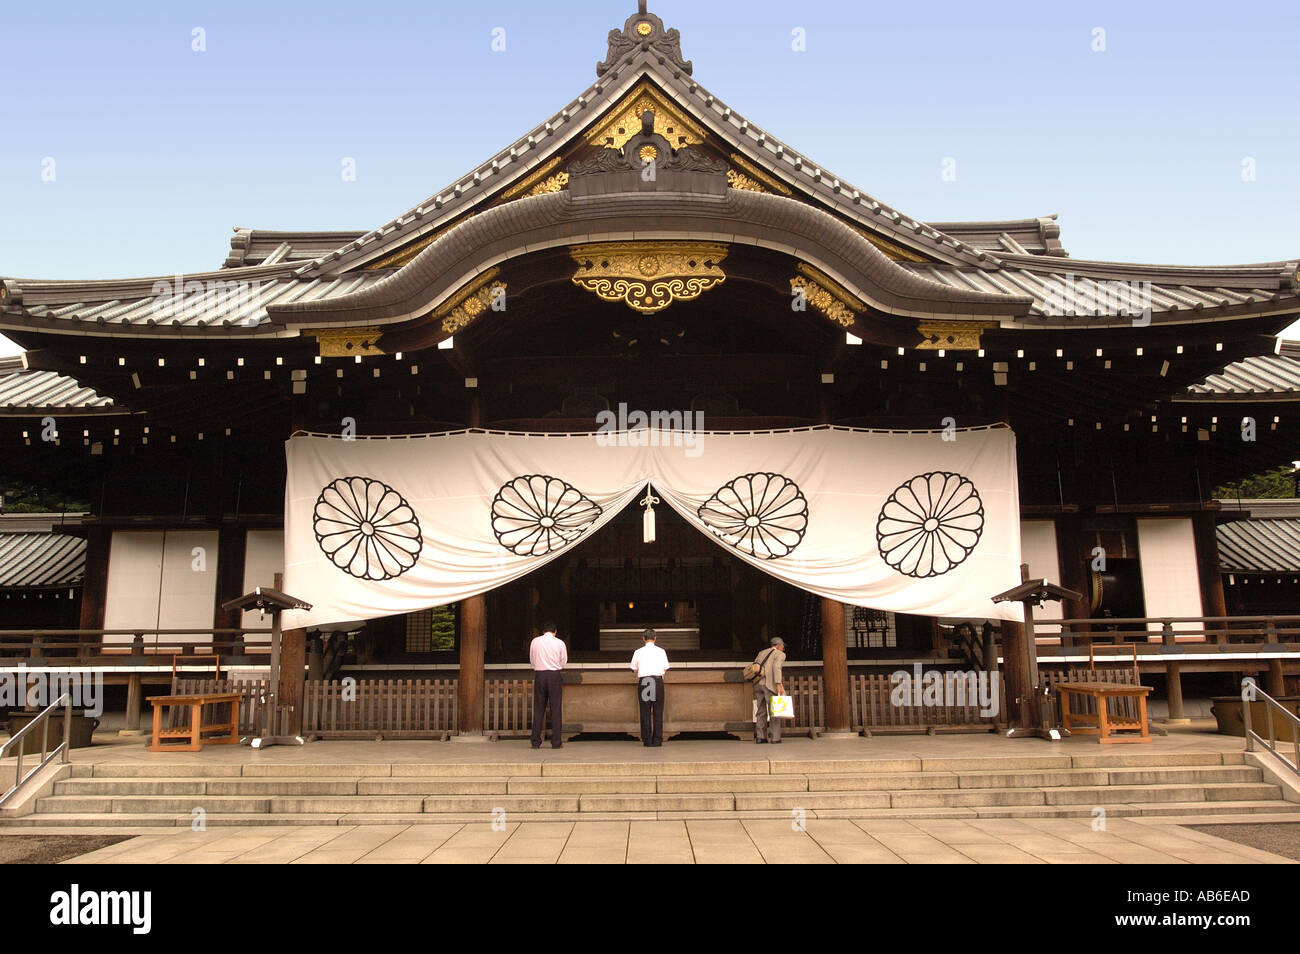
x=161, y=793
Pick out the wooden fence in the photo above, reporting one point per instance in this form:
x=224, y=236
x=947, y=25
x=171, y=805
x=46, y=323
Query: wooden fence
x=427, y=708
x=394, y=708
x=251, y=707
x=875, y=704
x=508, y=706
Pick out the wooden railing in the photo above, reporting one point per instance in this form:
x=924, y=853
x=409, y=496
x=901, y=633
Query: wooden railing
x=1185, y=629
x=108, y=646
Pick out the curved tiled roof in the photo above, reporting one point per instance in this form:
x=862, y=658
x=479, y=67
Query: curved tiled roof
x=732, y=215
x=28, y=392
x=1275, y=376
x=35, y=560
x=1260, y=545
x=1038, y=236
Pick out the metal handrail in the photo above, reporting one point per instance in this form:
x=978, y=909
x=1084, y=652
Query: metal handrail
x=19, y=737
x=1250, y=691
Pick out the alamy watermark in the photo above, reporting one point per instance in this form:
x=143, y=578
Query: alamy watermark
x=948, y=689
x=651, y=429
x=179, y=299
x=37, y=689
x=1096, y=299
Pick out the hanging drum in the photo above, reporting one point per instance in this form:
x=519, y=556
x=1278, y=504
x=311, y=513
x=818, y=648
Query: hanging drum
x=1116, y=592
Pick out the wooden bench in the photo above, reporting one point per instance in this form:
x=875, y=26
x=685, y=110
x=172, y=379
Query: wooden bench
x=1104, y=723
x=194, y=732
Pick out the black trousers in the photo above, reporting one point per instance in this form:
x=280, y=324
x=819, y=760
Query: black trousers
x=650, y=694
x=548, y=688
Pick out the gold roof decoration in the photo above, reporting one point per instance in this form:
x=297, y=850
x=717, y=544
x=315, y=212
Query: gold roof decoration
x=745, y=175
x=649, y=276
x=827, y=296
x=952, y=335
x=541, y=181
x=624, y=120
x=470, y=302
x=347, y=342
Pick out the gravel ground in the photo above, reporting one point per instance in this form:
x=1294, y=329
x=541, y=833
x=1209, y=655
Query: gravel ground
x=51, y=849
x=1283, y=839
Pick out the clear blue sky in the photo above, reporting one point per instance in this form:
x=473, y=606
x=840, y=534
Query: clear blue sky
x=159, y=150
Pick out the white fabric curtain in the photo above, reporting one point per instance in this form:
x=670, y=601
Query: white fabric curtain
x=913, y=522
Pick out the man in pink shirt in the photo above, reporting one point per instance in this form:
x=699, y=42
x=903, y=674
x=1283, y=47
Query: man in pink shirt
x=549, y=656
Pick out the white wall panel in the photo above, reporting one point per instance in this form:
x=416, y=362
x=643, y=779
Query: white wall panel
x=1171, y=585
x=263, y=558
x=155, y=581
x=189, y=585
x=134, y=574
x=1038, y=549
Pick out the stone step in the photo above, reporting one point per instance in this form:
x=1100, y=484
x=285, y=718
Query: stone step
x=149, y=804
x=502, y=782
x=652, y=768
x=205, y=786
x=1161, y=793
x=131, y=786
x=658, y=803
x=496, y=804
x=1185, y=812
x=1249, y=806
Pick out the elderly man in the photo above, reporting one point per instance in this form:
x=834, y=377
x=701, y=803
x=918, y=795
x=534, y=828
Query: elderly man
x=767, y=729
x=650, y=663
x=549, y=656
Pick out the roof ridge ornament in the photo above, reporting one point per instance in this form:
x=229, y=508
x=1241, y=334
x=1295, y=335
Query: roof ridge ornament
x=645, y=31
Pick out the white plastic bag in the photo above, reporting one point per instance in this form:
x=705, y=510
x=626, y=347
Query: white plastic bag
x=781, y=707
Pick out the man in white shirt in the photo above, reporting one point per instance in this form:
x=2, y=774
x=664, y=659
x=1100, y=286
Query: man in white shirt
x=650, y=663
x=549, y=656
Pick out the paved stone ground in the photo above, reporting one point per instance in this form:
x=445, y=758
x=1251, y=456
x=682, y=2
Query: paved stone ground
x=757, y=841
x=110, y=749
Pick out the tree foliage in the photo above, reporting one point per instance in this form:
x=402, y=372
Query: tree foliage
x=21, y=497
x=1277, y=482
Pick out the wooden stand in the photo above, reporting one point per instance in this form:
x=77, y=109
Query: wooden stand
x=1105, y=723
x=266, y=599
x=194, y=732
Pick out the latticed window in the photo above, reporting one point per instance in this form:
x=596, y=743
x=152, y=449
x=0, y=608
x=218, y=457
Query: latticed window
x=431, y=630
x=871, y=629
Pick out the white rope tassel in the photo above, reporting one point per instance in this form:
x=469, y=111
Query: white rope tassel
x=648, y=518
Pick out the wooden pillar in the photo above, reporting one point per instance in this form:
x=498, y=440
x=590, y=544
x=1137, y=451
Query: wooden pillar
x=472, y=639
x=835, y=667
x=1015, y=676
x=1276, y=682
x=1074, y=574
x=293, y=658
x=133, y=693
x=1173, y=679
x=230, y=585
x=1207, y=565
x=94, y=587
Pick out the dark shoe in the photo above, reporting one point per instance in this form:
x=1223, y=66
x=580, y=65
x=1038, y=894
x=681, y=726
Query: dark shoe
x=776, y=741
x=537, y=745
x=559, y=746
x=760, y=741
x=656, y=745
